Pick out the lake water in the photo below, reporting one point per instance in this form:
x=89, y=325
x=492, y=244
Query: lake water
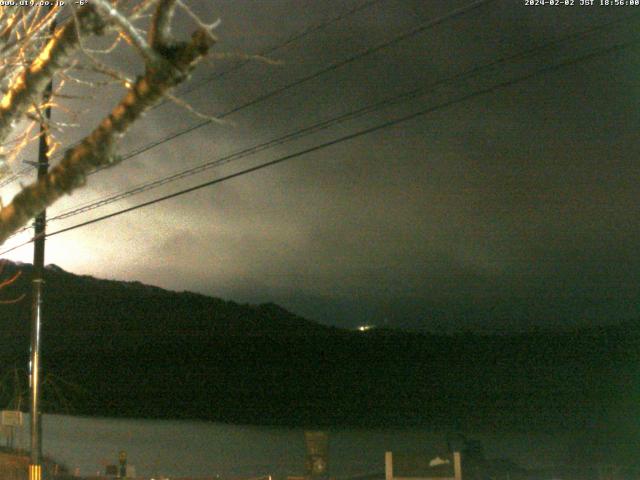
x=201, y=449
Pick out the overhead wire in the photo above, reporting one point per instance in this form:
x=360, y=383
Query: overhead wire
x=369, y=51
x=318, y=126
x=264, y=53
x=196, y=126
x=192, y=87
x=334, y=66
x=322, y=125
x=483, y=91
x=424, y=26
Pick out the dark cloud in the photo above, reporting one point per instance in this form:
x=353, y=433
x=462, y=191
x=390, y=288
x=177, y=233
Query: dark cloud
x=509, y=210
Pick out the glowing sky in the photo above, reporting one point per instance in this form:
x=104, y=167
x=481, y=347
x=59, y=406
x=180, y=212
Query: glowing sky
x=509, y=210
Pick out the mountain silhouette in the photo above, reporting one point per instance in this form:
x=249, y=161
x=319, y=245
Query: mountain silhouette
x=128, y=349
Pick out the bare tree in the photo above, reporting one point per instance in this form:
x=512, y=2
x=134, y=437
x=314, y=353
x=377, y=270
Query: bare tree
x=31, y=55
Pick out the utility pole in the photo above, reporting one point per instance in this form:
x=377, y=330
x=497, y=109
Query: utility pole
x=35, y=461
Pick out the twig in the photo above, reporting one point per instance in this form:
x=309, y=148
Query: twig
x=128, y=29
x=96, y=150
x=178, y=101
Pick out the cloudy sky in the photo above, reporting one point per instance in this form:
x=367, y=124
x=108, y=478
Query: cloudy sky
x=499, y=209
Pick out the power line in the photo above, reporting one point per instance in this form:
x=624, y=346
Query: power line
x=293, y=38
x=335, y=66
x=351, y=136
x=452, y=14
x=369, y=51
x=93, y=204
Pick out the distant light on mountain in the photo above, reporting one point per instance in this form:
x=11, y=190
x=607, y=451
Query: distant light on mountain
x=365, y=328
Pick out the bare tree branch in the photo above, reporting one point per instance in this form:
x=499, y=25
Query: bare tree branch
x=97, y=149
x=160, y=33
x=34, y=79
x=127, y=28
x=208, y=27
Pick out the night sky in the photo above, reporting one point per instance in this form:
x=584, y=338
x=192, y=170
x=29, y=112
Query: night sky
x=503, y=211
